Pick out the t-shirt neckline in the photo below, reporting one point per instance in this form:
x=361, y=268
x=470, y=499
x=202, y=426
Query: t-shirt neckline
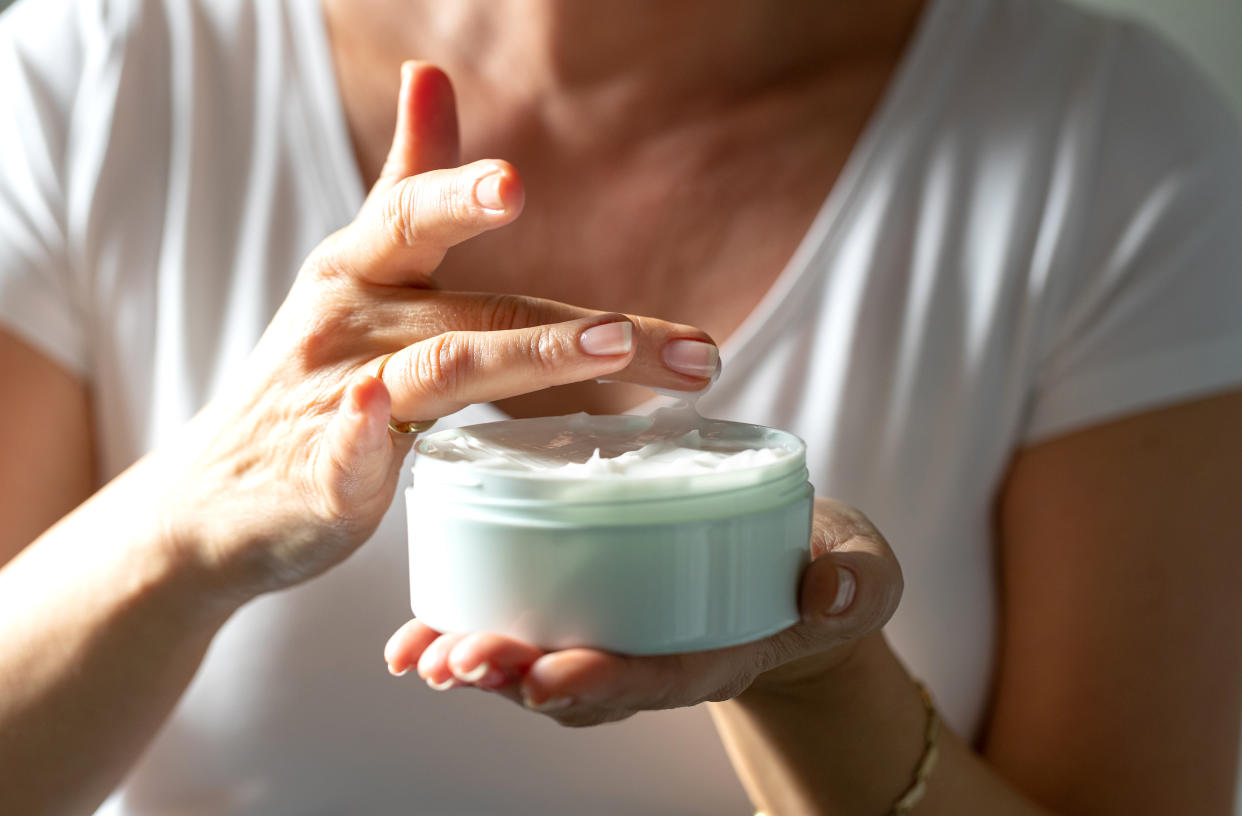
x=346, y=189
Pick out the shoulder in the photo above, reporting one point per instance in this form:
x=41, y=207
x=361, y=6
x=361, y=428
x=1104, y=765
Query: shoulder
x=1092, y=74
x=1096, y=124
x=105, y=86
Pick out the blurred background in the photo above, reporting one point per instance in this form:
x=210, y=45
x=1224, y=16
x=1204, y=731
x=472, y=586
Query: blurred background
x=1208, y=30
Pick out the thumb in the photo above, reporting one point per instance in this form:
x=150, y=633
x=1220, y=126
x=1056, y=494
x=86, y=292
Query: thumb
x=850, y=592
x=358, y=458
x=851, y=587
x=426, y=136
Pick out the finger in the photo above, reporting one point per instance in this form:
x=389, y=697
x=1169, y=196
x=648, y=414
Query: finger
x=852, y=592
x=586, y=686
x=666, y=355
x=854, y=585
x=357, y=461
x=437, y=376
x=402, y=236
x=433, y=663
x=583, y=687
x=489, y=660
x=849, y=590
x=407, y=645
x=426, y=134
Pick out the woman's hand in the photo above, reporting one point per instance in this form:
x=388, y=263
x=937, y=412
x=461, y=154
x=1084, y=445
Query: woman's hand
x=292, y=468
x=850, y=589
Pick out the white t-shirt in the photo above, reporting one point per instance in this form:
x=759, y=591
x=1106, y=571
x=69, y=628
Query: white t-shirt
x=1040, y=229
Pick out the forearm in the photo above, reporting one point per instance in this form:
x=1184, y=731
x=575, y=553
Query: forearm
x=103, y=622
x=850, y=744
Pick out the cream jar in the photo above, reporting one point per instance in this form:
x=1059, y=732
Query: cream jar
x=640, y=535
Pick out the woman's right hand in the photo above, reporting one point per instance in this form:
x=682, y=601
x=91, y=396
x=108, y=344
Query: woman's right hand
x=292, y=467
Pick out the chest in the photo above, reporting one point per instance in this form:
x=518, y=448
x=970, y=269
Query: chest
x=693, y=242
x=690, y=246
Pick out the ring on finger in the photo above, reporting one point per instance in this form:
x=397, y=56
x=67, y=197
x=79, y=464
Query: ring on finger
x=404, y=428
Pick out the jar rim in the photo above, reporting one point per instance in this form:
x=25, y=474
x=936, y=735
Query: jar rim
x=437, y=465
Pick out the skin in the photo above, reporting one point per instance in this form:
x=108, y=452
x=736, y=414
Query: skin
x=683, y=142
x=106, y=614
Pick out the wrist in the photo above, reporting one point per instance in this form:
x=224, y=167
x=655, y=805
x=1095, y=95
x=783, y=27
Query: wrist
x=841, y=735
x=820, y=677
x=179, y=572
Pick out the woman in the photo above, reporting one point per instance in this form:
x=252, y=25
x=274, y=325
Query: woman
x=992, y=304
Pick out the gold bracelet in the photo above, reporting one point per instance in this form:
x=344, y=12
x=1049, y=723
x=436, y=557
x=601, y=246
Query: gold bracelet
x=931, y=751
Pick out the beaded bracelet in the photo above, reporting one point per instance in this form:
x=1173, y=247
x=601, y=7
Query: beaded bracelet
x=931, y=751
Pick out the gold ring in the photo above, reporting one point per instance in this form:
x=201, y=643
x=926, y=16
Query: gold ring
x=405, y=428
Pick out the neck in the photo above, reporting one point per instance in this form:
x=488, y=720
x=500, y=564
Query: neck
x=601, y=73
x=657, y=52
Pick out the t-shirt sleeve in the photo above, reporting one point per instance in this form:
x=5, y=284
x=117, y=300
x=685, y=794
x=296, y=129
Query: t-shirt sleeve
x=42, y=297
x=1152, y=311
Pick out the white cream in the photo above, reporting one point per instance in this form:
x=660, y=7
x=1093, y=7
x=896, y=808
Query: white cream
x=683, y=455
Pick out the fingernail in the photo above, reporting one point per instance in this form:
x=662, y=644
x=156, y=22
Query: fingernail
x=474, y=675
x=487, y=192
x=608, y=339
x=442, y=686
x=402, y=673
x=692, y=357
x=845, y=592
x=550, y=704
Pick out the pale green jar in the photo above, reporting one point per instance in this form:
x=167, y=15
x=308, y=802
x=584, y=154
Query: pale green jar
x=639, y=564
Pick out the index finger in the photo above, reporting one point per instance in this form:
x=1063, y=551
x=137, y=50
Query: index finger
x=666, y=354
x=422, y=204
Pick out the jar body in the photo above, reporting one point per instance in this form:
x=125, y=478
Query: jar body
x=635, y=566
x=635, y=588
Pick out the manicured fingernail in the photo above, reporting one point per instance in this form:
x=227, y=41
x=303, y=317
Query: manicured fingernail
x=692, y=357
x=845, y=592
x=608, y=339
x=487, y=192
x=550, y=704
x=393, y=671
x=474, y=675
x=442, y=686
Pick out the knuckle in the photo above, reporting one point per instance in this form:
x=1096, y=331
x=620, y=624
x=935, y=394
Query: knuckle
x=457, y=199
x=880, y=601
x=441, y=363
x=316, y=343
x=729, y=690
x=545, y=349
x=329, y=260
x=399, y=213
x=789, y=645
x=505, y=312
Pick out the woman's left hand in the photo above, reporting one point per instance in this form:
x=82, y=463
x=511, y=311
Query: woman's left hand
x=850, y=589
